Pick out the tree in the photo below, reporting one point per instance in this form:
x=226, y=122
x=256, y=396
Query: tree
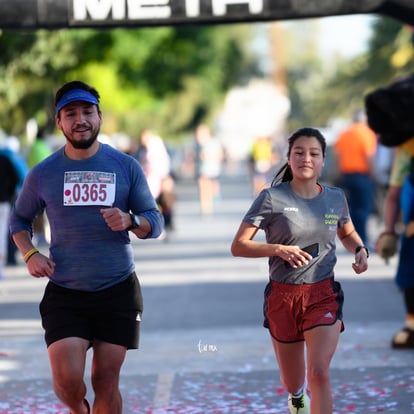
x=389, y=55
x=321, y=91
x=164, y=78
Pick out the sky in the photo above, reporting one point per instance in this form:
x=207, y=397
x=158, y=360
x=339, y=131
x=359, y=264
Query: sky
x=347, y=34
x=344, y=36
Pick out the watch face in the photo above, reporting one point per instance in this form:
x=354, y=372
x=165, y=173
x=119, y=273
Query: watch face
x=135, y=221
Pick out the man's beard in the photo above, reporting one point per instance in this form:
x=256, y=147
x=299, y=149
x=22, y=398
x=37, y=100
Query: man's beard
x=83, y=144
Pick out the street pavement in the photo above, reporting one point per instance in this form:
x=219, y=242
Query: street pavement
x=202, y=348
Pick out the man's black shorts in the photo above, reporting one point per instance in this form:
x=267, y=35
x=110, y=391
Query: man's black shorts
x=111, y=315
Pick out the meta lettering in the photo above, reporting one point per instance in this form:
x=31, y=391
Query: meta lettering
x=100, y=10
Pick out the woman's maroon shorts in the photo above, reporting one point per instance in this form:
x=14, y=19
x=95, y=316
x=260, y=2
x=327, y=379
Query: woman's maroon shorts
x=290, y=310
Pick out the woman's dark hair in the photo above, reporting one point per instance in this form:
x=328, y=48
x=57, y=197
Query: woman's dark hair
x=75, y=85
x=285, y=172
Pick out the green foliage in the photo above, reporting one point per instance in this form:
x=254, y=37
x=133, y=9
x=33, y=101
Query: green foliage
x=163, y=78
x=170, y=78
x=382, y=46
x=321, y=95
x=29, y=65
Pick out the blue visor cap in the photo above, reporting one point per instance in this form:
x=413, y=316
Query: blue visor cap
x=76, y=95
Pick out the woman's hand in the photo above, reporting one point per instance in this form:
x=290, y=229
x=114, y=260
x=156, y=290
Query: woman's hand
x=294, y=256
x=361, y=262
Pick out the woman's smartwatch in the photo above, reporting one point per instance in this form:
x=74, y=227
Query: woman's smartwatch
x=359, y=248
x=135, y=222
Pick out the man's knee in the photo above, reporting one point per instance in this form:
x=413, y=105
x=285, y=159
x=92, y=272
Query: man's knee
x=69, y=389
x=105, y=382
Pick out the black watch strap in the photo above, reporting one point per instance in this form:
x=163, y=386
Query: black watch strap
x=134, y=222
x=359, y=248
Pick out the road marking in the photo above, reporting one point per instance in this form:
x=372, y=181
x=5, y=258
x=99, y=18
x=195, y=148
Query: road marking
x=163, y=390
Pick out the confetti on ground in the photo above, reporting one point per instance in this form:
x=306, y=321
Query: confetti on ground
x=365, y=390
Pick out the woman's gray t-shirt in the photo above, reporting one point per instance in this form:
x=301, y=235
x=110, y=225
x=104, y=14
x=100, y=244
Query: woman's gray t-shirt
x=289, y=219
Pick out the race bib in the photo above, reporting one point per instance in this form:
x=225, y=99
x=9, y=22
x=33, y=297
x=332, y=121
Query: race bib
x=89, y=188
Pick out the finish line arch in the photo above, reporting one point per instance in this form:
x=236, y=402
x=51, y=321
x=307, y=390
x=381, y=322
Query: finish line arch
x=53, y=14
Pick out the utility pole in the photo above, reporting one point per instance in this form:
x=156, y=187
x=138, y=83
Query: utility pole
x=278, y=56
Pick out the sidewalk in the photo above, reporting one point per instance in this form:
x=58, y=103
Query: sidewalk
x=203, y=349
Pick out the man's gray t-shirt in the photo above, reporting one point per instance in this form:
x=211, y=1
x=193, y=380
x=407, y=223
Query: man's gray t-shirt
x=289, y=219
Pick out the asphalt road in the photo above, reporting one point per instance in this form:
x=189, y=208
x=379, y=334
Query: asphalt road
x=202, y=348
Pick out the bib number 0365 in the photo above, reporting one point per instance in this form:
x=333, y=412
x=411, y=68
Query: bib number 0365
x=89, y=188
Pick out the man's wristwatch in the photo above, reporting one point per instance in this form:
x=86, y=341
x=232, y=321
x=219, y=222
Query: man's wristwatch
x=359, y=248
x=135, y=222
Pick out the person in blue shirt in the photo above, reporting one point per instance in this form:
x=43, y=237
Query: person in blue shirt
x=8, y=185
x=12, y=151
x=94, y=197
